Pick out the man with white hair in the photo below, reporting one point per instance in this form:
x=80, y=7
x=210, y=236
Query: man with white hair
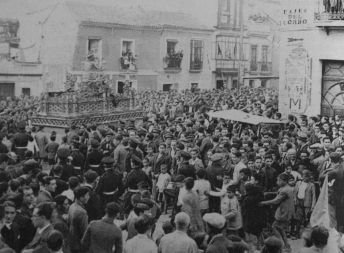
x=178, y=241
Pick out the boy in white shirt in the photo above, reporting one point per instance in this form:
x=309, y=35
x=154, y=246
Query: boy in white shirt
x=163, y=180
x=202, y=188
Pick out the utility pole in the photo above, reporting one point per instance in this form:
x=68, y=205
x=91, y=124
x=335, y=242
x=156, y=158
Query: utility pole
x=241, y=43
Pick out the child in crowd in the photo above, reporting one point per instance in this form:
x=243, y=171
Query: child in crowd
x=230, y=209
x=202, y=188
x=305, y=200
x=147, y=168
x=293, y=176
x=164, y=179
x=285, y=209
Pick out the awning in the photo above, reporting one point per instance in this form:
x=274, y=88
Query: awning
x=243, y=117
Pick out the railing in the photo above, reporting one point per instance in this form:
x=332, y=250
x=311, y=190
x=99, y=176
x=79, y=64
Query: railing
x=264, y=67
x=173, y=62
x=329, y=16
x=69, y=105
x=227, y=64
x=196, y=65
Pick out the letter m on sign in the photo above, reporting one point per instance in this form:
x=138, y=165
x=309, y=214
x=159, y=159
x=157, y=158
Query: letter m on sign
x=293, y=103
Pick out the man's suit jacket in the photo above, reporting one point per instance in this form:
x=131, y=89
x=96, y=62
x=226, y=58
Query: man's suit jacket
x=310, y=197
x=78, y=222
x=19, y=234
x=120, y=156
x=157, y=161
x=101, y=236
x=39, y=241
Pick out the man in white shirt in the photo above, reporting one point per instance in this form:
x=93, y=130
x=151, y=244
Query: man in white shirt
x=142, y=242
x=178, y=241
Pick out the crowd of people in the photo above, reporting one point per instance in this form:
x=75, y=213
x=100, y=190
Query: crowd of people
x=178, y=181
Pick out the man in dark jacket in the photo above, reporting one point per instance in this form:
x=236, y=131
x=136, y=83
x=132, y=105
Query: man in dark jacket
x=18, y=230
x=110, y=186
x=94, y=205
x=103, y=235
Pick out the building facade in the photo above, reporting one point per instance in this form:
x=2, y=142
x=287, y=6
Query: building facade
x=312, y=58
x=243, y=48
x=17, y=77
x=154, y=50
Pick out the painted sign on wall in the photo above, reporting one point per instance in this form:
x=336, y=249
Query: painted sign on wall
x=297, y=13
x=297, y=77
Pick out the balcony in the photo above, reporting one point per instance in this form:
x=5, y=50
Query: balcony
x=173, y=62
x=196, y=66
x=329, y=16
x=261, y=67
x=227, y=65
x=128, y=62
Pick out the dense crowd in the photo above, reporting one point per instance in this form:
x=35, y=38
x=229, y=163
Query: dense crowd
x=179, y=181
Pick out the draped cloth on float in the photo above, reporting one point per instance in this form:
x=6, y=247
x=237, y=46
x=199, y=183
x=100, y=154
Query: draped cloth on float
x=321, y=217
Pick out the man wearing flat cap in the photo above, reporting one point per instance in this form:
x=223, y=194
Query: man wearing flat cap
x=302, y=141
x=106, y=145
x=215, y=224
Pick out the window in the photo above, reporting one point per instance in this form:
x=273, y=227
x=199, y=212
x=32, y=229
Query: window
x=173, y=57
x=166, y=87
x=265, y=50
x=94, y=47
x=26, y=92
x=196, y=55
x=254, y=58
x=251, y=84
x=171, y=47
x=128, y=57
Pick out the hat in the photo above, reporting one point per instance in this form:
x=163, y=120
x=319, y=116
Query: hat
x=109, y=133
x=185, y=155
x=143, y=184
x=142, y=206
x=94, y=143
x=168, y=136
x=21, y=125
x=178, y=178
x=91, y=175
x=156, y=131
x=215, y=220
x=108, y=160
x=216, y=157
x=273, y=243
x=302, y=136
x=63, y=153
x=231, y=188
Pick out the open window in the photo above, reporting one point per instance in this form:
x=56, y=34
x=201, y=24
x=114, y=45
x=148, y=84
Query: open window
x=128, y=57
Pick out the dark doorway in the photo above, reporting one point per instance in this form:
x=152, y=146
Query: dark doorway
x=263, y=83
x=219, y=84
x=166, y=87
x=26, y=92
x=235, y=84
x=6, y=90
x=120, y=87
